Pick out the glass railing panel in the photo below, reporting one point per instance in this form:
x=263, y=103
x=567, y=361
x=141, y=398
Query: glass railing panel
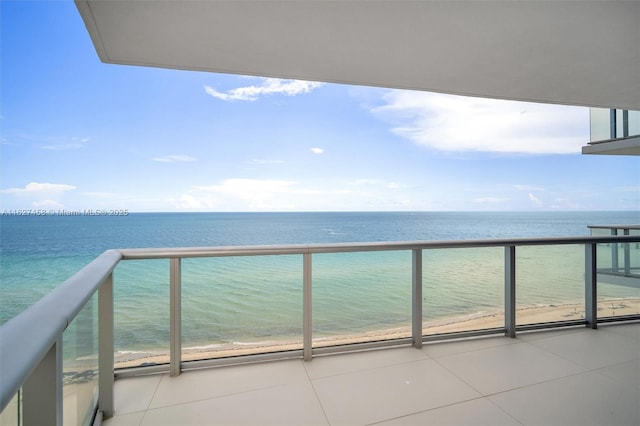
x=615, y=300
x=80, y=366
x=634, y=254
x=606, y=255
x=549, y=283
x=241, y=305
x=620, y=258
x=360, y=297
x=141, y=313
x=463, y=289
x=600, y=120
x=634, y=123
x=12, y=415
x=619, y=289
x=620, y=124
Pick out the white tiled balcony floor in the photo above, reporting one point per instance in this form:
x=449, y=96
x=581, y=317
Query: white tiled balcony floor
x=571, y=376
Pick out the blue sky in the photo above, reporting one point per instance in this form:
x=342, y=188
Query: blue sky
x=80, y=134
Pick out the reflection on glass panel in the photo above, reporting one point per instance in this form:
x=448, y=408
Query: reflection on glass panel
x=620, y=123
x=80, y=366
x=241, y=305
x=11, y=414
x=600, y=124
x=634, y=123
x=361, y=297
x=549, y=283
x=463, y=289
x=619, y=290
x=141, y=312
x=621, y=258
x=634, y=253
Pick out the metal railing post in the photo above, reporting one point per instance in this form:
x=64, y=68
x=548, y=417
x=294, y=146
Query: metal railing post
x=591, y=283
x=175, y=316
x=510, y=291
x=614, y=252
x=627, y=254
x=416, y=297
x=105, y=347
x=42, y=391
x=307, y=318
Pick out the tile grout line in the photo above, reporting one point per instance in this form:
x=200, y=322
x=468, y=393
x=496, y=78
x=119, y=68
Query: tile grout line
x=426, y=357
x=155, y=391
x=240, y=392
x=315, y=392
x=481, y=397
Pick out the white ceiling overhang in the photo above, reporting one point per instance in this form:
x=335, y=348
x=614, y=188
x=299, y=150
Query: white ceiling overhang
x=566, y=52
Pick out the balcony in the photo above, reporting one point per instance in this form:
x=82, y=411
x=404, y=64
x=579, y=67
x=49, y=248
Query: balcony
x=430, y=370
x=614, y=132
x=570, y=376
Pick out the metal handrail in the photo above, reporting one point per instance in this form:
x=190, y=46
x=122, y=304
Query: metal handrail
x=264, y=250
x=26, y=339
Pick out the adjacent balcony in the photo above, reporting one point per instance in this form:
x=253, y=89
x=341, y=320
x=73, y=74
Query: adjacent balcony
x=614, y=132
x=418, y=364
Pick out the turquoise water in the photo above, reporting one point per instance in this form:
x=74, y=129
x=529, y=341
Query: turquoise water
x=250, y=299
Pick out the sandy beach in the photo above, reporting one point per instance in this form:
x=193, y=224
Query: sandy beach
x=477, y=321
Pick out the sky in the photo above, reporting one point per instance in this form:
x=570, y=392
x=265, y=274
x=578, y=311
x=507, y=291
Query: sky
x=77, y=134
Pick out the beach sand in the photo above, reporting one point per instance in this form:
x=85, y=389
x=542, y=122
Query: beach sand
x=477, y=321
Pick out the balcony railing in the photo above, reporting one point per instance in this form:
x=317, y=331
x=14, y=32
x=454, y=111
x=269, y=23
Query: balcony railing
x=622, y=266
x=32, y=353
x=610, y=124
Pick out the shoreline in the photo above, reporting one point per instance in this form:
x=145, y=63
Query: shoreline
x=476, y=321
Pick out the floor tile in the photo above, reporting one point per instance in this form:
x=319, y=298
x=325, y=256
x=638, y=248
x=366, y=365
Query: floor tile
x=573, y=376
x=331, y=365
x=583, y=399
x=133, y=419
x=507, y=367
x=551, y=332
x=626, y=372
x=134, y=394
x=375, y=395
x=290, y=404
x=592, y=348
x=477, y=412
x=631, y=330
x=202, y=384
x=438, y=349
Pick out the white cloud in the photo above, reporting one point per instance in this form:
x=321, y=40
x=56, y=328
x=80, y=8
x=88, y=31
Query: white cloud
x=535, y=200
x=175, y=159
x=47, y=204
x=231, y=194
x=39, y=195
x=75, y=143
x=240, y=194
x=40, y=188
x=317, y=150
x=635, y=189
x=565, y=204
x=489, y=200
x=268, y=86
x=457, y=123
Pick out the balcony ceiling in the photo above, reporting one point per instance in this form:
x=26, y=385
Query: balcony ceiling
x=566, y=52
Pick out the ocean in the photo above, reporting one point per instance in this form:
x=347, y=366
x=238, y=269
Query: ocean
x=255, y=299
